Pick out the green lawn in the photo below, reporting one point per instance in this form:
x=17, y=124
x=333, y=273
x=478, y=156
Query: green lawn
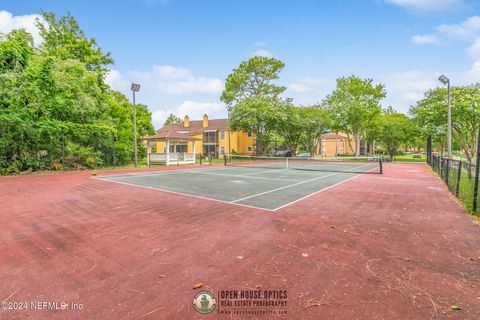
x=409, y=158
x=465, y=187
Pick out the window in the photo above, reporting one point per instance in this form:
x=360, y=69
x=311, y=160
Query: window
x=249, y=134
x=210, y=137
x=181, y=147
x=249, y=149
x=210, y=150
x=222, y=134
x=222, y=149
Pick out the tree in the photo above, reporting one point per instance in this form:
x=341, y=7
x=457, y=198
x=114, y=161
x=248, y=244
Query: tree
x=16, y=49
x=172, y=119
x=254, y=99
x=290, y=127
x=64, y=39
x=430, y=114
x=121, y=113
x=253, y=78
x=259, y=115
x=56, y=111
x=315, y=124
x=353, y=107
x=396, y=129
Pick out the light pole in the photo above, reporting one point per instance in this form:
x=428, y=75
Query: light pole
x=229, y=145
x=135, y=88
x=446, y=81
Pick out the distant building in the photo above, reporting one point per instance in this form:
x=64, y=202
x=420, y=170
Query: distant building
x=335, y=144
x=209, y=137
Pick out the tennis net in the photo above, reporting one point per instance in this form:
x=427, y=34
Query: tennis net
x=347, y=164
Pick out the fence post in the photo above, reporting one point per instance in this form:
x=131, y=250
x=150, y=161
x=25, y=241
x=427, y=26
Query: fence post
x=114, y=160
x=63, y=151
x=459, y=176
x=447, y=172
x=429, y=150
x=477, y=167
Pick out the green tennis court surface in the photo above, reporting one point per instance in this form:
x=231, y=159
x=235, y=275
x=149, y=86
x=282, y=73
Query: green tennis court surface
x=259, y=187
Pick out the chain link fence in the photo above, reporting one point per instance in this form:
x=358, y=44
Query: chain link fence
x=460, y=176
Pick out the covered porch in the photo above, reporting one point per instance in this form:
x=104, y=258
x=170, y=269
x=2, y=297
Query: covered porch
x=175, y=149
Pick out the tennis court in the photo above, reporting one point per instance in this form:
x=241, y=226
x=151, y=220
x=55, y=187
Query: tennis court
x=259, y=182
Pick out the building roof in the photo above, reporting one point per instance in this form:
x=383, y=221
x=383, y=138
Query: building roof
x=334, y=135
x=179, y=132
x=170, y=135
x=195, y=126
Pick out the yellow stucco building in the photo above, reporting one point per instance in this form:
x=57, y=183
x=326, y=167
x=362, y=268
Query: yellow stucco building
x=209, y=137
x=335, y=144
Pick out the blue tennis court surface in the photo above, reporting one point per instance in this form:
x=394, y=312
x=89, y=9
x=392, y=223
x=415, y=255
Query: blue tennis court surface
x=268, y=189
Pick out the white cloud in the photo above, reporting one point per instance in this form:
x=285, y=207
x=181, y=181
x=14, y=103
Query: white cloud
x=407, y=87
x=473, y=74
x=194, y=109
x=466, y=29
x=166, y=79
x=9, y=22
x=262, y=53
x=428, y=5
x=116, y=80
x=164, y=87
x=159, y=117
x=474, y=49
x=425, y=39
x=306, y=85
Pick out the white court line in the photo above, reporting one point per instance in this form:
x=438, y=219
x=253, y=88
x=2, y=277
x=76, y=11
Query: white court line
x=269, y=170
x=293, y=185
x=163, y=172
x=184, y=194
x=244, y=176
x=218, y=200
x=321, y=190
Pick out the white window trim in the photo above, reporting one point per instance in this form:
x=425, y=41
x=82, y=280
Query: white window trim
x=224, y=133
x=249, y=134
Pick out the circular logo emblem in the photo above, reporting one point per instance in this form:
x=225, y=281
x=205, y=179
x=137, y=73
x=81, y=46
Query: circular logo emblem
x=204, y=302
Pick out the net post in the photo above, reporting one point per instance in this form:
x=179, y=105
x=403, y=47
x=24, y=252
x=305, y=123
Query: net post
x=286, y=163
x=224, y=159
x=380, y=162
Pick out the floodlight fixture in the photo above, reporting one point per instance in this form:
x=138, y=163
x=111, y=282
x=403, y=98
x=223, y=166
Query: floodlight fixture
x=443, y=79
x=135, y=87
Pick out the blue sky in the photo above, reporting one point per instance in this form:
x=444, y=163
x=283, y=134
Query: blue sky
x=181, y=51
